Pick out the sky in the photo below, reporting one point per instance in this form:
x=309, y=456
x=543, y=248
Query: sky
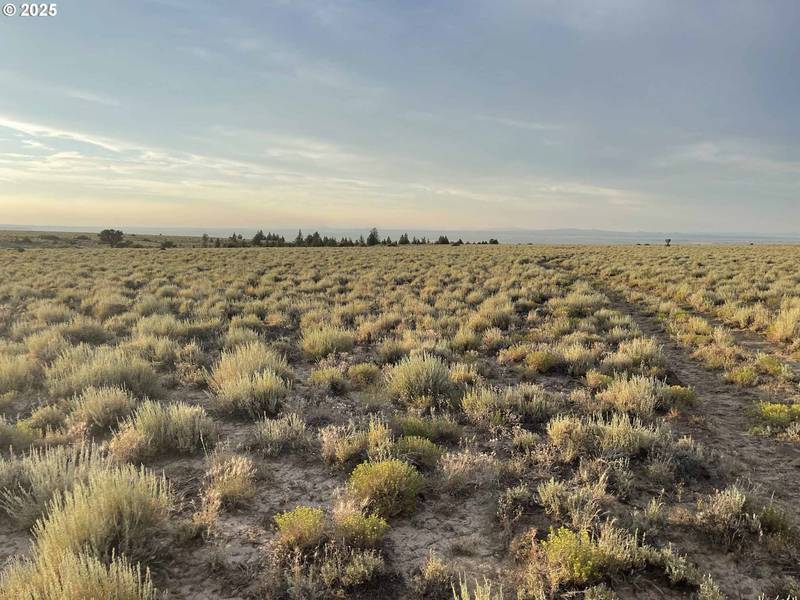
x=471, y=114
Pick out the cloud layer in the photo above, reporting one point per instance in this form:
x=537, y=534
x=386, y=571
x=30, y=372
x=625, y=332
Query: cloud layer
x=614, y=115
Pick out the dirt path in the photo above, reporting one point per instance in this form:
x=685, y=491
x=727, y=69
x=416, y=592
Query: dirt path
x=772, y=463
x=722, y=407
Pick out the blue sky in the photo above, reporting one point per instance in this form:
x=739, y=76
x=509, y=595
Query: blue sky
x=617, y=114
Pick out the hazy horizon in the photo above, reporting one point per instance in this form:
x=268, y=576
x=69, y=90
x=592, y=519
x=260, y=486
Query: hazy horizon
x=625, y=115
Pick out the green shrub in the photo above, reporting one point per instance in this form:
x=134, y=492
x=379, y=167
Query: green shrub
x=388, y=487
x=419, y=451
x=543, y=361
x=15, y=435
x=330, y=378
x=46, y=345
x=352, y=528
x=480, y=591
x=743, y=376
x=418, y=378
x=301, y=528
x=436, y=429
x=364, y=375
x=84, y=330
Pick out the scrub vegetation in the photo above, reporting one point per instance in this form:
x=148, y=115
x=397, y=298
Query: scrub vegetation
x=411, y=421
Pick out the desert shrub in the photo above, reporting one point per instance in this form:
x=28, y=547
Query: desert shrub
x=230, y=480
x=161, y=325
x=352, y=528
x=240, y=336
x=301, y=528
x=29, y=482
x=330, y=378
x=98, y=409
x=15, y=435
x=435, y=578
x=71, y=576
x=115, y=510
x=364, y=375
x=569, y=558
x=159, y=350
x=107, y=305
x=467, y=470
x=391, y=350
x=246, y=361
x=744, y=376
x=733, y=515
x=786, y=325
x=514, y=354
x=388, y=487
x=579, y=358
x=777, y=415
x=419, y=380
x=49, y=417
x=480, y=590
x=17, y=373
x=318, y=343
x=253, y=395
x=419, y=451
x=84, y=330
x=577, y=505
x=543, y=361
x=85, y=366
x=643, y=396
x=46, y=345
x=464, y=374
x=273, y=436
x=637, y=354
x=436, y=429
x=494, y=406
x=597, y=380
x=465, y=339
x=342, y=444
x=155, y=428
x=619, y=436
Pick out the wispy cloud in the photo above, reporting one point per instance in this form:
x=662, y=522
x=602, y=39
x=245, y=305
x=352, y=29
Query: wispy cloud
x=519, y=123
x=38, y=130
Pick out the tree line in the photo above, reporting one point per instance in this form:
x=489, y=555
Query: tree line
x=116, y=239
x=315, y=240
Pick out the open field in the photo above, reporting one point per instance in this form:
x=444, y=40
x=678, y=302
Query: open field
x=400, y=422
